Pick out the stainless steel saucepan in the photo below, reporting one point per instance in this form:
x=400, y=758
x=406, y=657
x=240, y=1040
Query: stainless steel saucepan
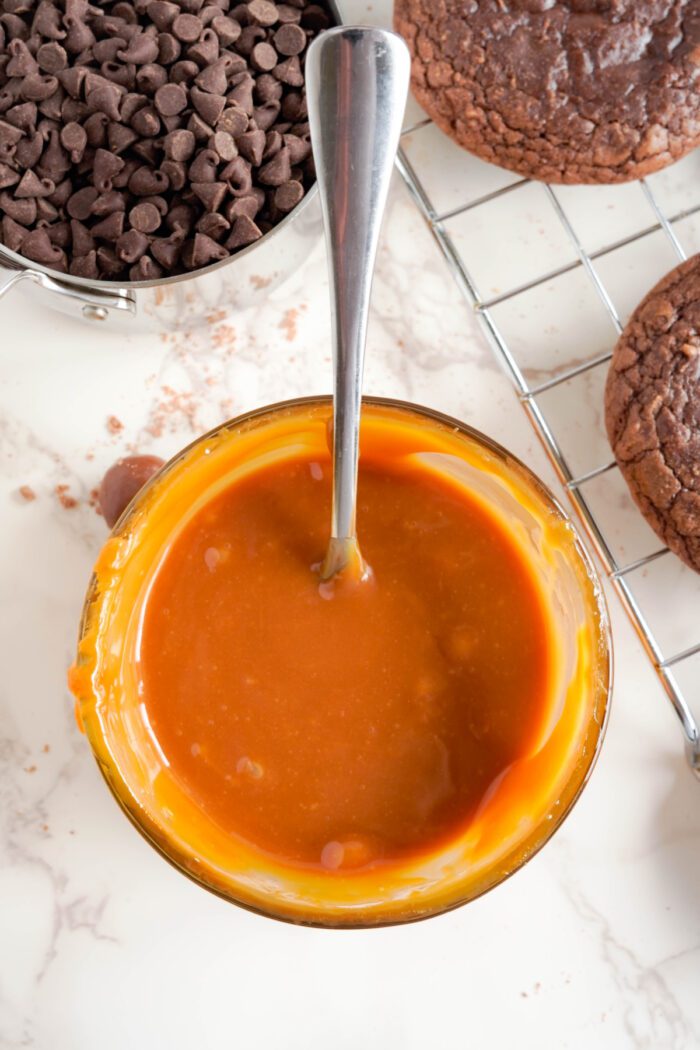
x=245, y=278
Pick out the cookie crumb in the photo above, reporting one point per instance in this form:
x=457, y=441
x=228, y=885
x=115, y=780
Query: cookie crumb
x=64, y=497
x=27, y=493
x=114, y=425
x=288, y=324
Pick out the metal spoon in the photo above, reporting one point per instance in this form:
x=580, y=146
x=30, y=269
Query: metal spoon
x=356, y=86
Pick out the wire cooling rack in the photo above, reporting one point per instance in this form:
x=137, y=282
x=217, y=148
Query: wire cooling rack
x=669, y=662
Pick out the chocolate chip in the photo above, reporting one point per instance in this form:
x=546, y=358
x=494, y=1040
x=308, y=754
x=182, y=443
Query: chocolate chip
x=227, y=30
x=37, y=246
x=82, y=238
x=204, y=166
x=263, y=57
x=72, y=80
x=8, y=176
x=251, y=145
x=171, y=99
x=131, y=246
x=159, y=203
x=22, y=116
x=81, y=202
x=233, y=120
x=105, y=166
x=74, y=140
x=209, y=107
x=169, y=48
x=122, y=481
x=223, y=145
x=181, y=217
x=184, y=72
x=145, y=270
x=267, y=89
x=162, y=13
x=315, y=18
x=31, y=185
x=211, y=194
x=249, y=37
x=106, y=50
x=22, y=61
x=142, y=49
x=104, y=99
x=119, y=137
x=199, y=128
x=187, y=28
x=239, y=177
x=63, y=192
x=263, y=12
x=286, y=13
x=51, y=58
x=289, y=39
x=288, y=195
x=273, y=144
x=166, y=250
x=176, y=173
x=110, y=228
x=290, y=72
x=249, y=206
x=242, y=94
x=145, y=121
x=29, y=150
x=179, y=145
x=145, y=182
x=277, y=170
x=150, y=78
x=206, y=50
x=12, y=234
x=202, y=250
x=108, y=262
x=84, y=266
x=213, y=78
x=265, y=116
x=145, y=218
x=213, y=224
x=244, y=232
x=109, y=202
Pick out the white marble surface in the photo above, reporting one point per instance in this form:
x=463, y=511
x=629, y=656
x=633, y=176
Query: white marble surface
x=102, y=945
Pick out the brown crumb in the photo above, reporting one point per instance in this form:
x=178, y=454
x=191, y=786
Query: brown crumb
x=259, y=282
x=30, y=769
x=174, y=406
x=216, y=316
x=45, y=749
x=27, y=493
x=114, y=425
x=67, y=501
x=44, y=827
x=288, y=324
x=94, y=499
x=223, y=336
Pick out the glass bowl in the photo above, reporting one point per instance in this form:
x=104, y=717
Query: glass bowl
x=501, y=836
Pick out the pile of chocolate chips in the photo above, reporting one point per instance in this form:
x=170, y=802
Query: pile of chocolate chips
x=145, y=138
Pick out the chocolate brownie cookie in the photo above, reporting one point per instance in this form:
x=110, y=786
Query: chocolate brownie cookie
x=576, y=91
x=652, y=409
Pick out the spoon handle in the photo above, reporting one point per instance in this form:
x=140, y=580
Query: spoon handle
x=356, y=84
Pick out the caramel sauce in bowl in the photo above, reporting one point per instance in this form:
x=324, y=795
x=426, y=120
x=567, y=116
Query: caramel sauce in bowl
x=344, y=756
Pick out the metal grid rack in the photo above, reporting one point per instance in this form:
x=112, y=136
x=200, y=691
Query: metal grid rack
x=665, y=665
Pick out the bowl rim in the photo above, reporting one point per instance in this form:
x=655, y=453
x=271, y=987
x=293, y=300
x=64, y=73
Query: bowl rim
x=174, y=856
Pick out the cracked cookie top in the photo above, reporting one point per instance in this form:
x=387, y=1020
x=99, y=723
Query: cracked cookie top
x=580, y=91
x=652, y=409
